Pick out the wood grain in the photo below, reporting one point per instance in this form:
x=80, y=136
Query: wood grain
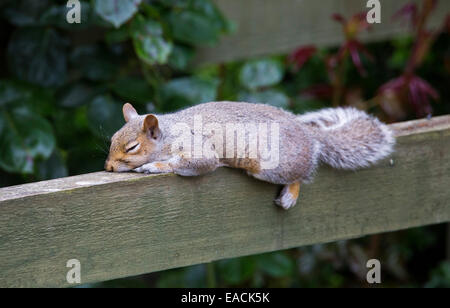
x=120, y=225
x=266, y=27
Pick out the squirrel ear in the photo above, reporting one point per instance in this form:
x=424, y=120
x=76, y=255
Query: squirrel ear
x=150, y=126
x=129, y=112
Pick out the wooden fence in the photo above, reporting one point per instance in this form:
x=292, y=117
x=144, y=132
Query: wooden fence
x=279, y=26
x=127, y=224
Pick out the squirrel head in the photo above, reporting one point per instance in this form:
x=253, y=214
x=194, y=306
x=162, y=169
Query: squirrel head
x=133, y=145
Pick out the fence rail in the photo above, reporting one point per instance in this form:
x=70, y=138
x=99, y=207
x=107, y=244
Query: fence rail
x=127, y=224
x=279, y=26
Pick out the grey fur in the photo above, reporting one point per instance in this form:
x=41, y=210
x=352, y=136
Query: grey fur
x=349, y=138
x=342, y=137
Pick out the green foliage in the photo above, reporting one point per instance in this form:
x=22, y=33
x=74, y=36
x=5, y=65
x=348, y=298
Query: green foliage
x=188, y=91
x=148, y=41
x=197, y=22
x=61, y=99
x=38, y=55
x=133, y=89
x=271, y=96
x=24, y=137
x=440, y=277
x=251, y=271
x=117, y=12
x=261, y=73
x=103, y=115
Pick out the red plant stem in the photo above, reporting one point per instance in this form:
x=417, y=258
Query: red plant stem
x=420, y=37
x=338, y=88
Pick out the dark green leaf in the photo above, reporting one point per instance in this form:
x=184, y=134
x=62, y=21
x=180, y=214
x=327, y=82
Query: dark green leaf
x=189, y=277
x=96, y=63
x=105, y=116
x=184, y=91
x=88, y=155
x=52, y=168
x=25, y=12
x=276, y=264
x=37, y=99
x=209, y=9
x=236, y=271
x=24, y=136
x=133, y=89
x=175, y=4
x=117, y=35
x=180, y=57
x=440, y=276
x=10, y=92
x=56, y=15
x=193, y=27
x=75, y=95
x=302, y=105
x=148, y=41
x=272, y=97
x=116, y=12
x=38, y=55
x=261, y=73
x=198, y=22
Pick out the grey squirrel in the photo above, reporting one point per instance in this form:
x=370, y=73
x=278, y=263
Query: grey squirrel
x=343, y=138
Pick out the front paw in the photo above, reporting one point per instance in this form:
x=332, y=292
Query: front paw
x=140, y=170
x=146, y=169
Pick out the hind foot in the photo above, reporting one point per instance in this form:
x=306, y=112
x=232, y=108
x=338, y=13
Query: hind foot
x=288, y=196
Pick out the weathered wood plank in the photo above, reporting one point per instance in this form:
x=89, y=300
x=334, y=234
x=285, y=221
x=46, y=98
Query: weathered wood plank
x=279, y=26
x=120, y=225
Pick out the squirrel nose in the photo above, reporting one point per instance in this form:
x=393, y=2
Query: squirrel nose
x=108, y=166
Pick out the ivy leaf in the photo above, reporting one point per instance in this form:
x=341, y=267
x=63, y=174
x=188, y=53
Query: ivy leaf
x=105, y=116
x=276, y=264
x=24, y=136
x=10, y=92
x=133, y=89
x=117, y=35
x=37, y=99
x=52, y=168
x=236, y=271
x=192, y=27
x=75, y=95
x=56, y=16
x=189, y=277
x=96, y=63
x=180, y=57
x=38, y=55
x=186, y=91
x=116, y=12
x=148, y=41
x=271, y=97
x=199, y=22
x=23, y=13
x=261, y=73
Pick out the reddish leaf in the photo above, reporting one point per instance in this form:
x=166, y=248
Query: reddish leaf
x=339, y=18
x=357, y=60
x=300, y=56
x=419, y=92
x=408, y=12
x=320, y=91
x=354, y=47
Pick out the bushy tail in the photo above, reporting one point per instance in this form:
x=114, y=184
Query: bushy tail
x=349, y=138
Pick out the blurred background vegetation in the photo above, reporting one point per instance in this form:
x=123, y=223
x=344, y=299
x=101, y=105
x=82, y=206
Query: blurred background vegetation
x=62, y=86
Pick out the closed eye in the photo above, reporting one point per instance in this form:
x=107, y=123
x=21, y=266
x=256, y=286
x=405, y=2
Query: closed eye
x=132, y=148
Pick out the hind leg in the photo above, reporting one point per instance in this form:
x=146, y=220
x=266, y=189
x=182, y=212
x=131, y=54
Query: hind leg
x=289, y=193
x=288, y=196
